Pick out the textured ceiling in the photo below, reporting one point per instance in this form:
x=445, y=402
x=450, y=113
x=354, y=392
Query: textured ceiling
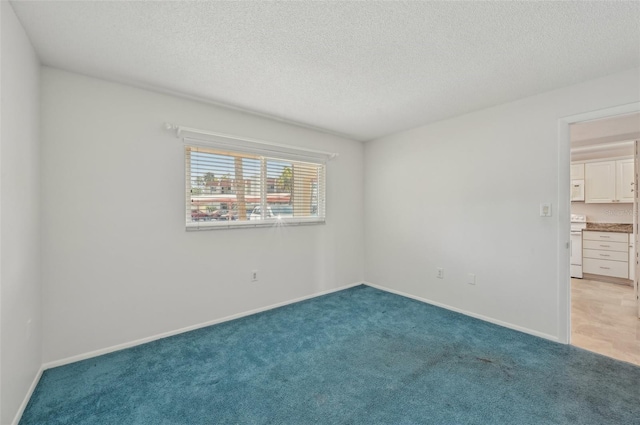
x=361, y=69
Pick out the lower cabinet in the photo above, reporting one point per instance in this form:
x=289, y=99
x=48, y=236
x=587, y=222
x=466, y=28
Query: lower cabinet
x=605, y=253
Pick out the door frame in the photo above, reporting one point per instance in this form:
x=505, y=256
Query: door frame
x=564, y=209
x=636, y=265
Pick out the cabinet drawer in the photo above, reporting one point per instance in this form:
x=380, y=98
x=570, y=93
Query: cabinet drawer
x=605, y=255
x=606, y=268
x=606, y=245
x=605, y=236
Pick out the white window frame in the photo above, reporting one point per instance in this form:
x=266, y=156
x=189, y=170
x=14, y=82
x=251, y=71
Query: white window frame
x=267, y=150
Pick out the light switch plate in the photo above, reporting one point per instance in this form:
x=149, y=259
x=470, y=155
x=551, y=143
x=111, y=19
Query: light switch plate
x=545, y=210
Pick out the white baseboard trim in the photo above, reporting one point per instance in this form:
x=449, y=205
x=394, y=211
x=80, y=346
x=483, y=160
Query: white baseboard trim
x=467, y=313
x=130, y=344
x=27, y=397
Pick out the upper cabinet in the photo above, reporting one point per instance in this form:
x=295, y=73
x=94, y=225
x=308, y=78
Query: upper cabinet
x=624, y=180
x=609, y=181
x=600, y=182
x=577, y=171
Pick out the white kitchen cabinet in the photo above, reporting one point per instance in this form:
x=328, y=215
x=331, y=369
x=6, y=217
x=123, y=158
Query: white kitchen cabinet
x=577, y=171
x=609, y=181
x=624, y=180
x=600, y=182
x=616, y=237
x=606, y=268
x=605, y=253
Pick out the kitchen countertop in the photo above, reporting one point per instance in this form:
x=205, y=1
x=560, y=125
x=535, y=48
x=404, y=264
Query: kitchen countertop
x=610, y=227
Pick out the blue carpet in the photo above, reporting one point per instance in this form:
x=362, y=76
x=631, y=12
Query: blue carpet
x=359, y=356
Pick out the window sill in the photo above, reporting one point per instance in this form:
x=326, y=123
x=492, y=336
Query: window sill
x=224, y=225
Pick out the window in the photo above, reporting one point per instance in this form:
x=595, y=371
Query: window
x=251, y=186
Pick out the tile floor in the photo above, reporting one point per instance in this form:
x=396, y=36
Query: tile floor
x=604, y=319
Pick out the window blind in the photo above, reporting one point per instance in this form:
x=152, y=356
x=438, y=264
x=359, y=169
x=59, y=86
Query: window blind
x=227, y=188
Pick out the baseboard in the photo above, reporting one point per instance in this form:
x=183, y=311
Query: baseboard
x=27, y=397
x=130, y=344
x=467, y=313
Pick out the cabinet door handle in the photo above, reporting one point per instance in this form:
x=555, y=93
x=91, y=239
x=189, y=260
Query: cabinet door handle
x=605, y=246
x=605, y=236
x=606, y=268
x=605, y=255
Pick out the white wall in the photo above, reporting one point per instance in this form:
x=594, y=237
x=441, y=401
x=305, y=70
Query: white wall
x=604, y=213
x=118, y=264
x=464, y=194
x=20, y=288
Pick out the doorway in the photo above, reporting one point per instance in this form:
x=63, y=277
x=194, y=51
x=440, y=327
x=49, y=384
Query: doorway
x=604, y=306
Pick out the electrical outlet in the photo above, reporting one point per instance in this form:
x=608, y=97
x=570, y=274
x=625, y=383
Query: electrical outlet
x=254, y=275
x=471, y=278
x=440, y=273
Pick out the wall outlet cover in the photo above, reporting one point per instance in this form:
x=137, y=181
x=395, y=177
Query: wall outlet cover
x=471, y=278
